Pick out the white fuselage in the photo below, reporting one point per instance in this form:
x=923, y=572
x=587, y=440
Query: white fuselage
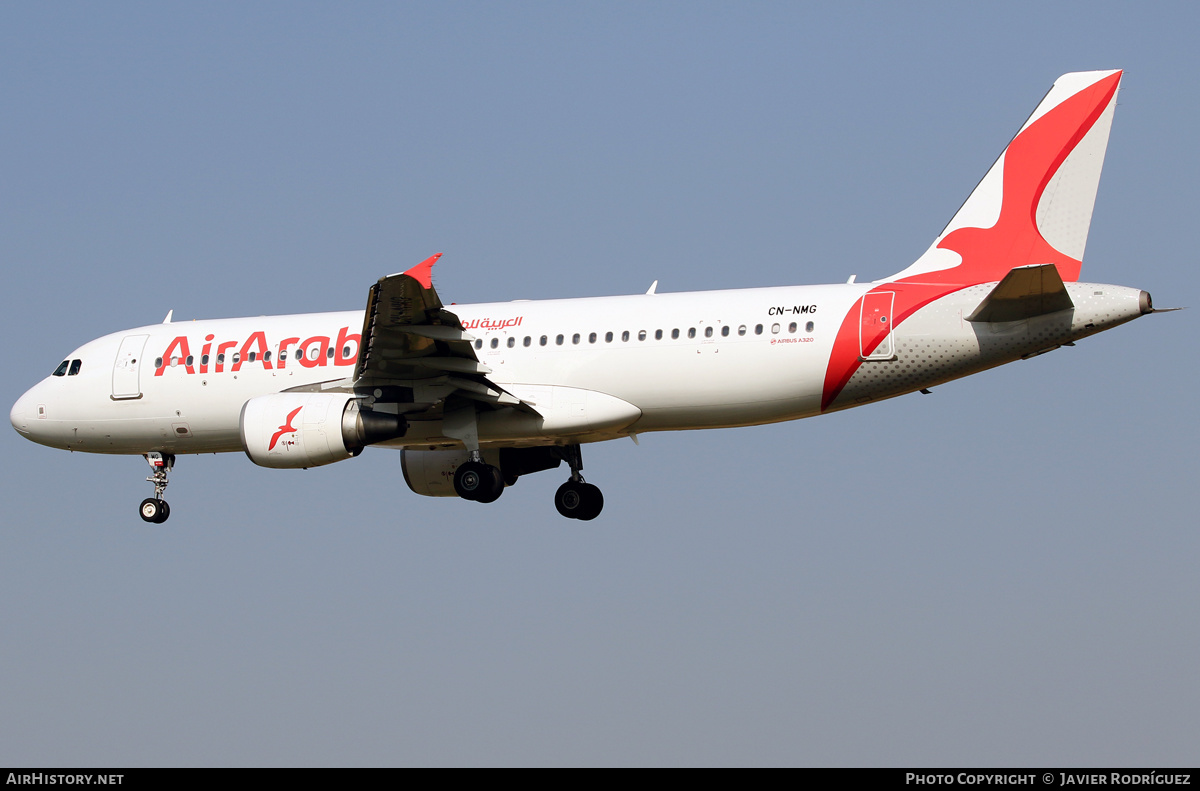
x=652, y=362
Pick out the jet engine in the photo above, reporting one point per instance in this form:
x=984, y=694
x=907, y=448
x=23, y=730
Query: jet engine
x=289, y=430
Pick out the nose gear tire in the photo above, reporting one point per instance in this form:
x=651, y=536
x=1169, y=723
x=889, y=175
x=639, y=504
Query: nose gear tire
x=153, y=510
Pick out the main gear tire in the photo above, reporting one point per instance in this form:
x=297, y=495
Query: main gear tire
x=493, y=485
x=471, y=479
x=579, y=500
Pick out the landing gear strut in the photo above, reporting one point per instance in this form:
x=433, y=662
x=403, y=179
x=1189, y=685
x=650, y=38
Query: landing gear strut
x=473, y=480
x=155, y=509
x=577, y=499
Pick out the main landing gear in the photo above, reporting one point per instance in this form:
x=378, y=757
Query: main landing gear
x=155, y=509
x=577, y=499
x=484, y=483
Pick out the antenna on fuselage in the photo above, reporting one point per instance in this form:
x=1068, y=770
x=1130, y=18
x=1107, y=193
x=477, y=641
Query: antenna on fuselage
x=653, y=286
x=167, y=320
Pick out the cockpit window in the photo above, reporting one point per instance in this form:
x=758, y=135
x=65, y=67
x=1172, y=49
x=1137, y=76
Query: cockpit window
x=61, y=370
x=75, y=364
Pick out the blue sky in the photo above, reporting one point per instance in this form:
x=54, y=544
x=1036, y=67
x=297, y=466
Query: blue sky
x=1001, y=573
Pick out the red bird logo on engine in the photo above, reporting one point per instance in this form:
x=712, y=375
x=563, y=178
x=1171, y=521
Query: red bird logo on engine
x=286, y=428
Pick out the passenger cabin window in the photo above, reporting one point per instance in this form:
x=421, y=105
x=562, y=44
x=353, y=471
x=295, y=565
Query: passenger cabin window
x=558, y=340
x=512, y=342
x=725, y=331
x=495, y=342
x=641, y=335
x=61, y=370
x=758, y=329
x=328, y=354
x=774, y=329
x=708, y=332
x=249, y=357
x=282, y=356
x=625, y=335
x=658, y=335
x=592, y=337
x=792, y=327
x=809, y=327
x=528, y=340
x=220, y=359
x=608, y=336
x=267, y=356
x=189, y=359
x=691, y=332
x=742, y=330
x=675, y=335
x=479, y=343
x=542, y=341
x=575, y=338
x=75, y=364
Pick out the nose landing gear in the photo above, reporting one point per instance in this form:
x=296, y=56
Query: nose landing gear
x=155, y=509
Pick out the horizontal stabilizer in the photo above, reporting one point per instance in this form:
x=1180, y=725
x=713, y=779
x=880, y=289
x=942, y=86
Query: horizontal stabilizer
x=1025, y=292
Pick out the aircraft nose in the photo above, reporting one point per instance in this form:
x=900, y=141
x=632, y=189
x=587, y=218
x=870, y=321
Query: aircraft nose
x=22, y=414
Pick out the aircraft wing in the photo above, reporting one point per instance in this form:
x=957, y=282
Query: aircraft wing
x=408, y=336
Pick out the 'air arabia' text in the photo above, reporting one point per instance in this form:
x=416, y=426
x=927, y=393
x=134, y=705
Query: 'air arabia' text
x=311, y=352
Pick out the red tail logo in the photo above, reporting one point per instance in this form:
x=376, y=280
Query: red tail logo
x=1031, y=160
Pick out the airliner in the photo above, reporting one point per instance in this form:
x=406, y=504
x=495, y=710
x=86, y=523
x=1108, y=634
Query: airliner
x=477, y=396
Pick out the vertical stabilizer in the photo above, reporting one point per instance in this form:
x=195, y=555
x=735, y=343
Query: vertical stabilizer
x=1035, y=205
x=1032, y=209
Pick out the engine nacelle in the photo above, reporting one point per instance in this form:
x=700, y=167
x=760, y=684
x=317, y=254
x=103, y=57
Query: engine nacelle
x=290, y=430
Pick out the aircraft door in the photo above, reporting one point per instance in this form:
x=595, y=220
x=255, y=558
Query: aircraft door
x=875, y=340
x=125, y=380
